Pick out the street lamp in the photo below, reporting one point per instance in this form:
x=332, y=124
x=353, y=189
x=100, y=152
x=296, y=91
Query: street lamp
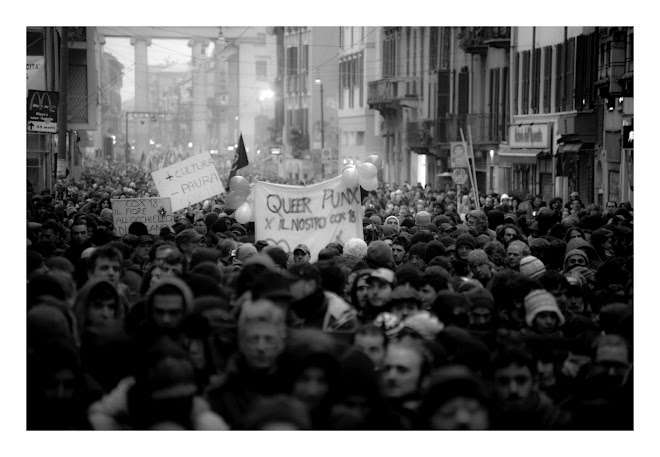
x=320, y=83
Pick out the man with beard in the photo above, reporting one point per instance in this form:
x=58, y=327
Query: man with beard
x=403, y=378
x=400, y=246
x=520, y=404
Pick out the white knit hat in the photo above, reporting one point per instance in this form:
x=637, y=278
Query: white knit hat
x=531, y=267
x=538, y=301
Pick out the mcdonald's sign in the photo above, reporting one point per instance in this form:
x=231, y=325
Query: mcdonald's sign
x=42, y=111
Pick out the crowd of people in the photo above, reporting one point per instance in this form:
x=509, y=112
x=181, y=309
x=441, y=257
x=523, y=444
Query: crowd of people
x=517, y=315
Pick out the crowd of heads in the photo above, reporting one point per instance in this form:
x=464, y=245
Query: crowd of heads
x=496, y=312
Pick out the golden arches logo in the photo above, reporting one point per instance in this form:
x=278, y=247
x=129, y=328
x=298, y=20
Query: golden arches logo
x=41, y=98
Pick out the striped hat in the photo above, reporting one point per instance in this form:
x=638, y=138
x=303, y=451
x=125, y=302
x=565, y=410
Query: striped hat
x=531, y=267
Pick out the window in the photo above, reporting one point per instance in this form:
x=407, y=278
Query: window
x=559, y=78
x=434, y=47
x=359, y=138
x=525, y=81
x=446, y=46
x=536, y=81
x=361, y=79
x=569, y=75
x=341, y=37
x=261, y=70
x=547, y=79
x=516, y=86
x=463, y=91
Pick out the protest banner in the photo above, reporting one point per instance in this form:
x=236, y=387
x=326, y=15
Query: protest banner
x=155, y=213
x=314, y=215
x=189, y=181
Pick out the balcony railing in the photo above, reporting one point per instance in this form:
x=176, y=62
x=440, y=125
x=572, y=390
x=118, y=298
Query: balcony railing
x=390, y=90
x=475, y=40
x=486, y=128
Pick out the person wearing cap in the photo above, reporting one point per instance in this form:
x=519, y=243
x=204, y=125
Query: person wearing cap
x=301, y=254
x=140, y=256
x=242, y=253
x=380, y=283
x=481, y=268
x=186, y=241
x=505, y=204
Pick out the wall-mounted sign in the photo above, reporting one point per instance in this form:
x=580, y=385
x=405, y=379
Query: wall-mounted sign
x=529, y=136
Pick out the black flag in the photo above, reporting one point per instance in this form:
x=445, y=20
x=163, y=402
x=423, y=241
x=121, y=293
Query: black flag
x=240, y=160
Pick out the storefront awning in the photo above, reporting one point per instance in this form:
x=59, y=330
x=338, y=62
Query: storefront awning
x=573, y=147
x=520, y=152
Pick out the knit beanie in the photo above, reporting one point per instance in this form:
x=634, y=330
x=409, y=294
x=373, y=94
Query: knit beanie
x=448, y=241
x=480, y=298
x=390, y=230
x=422, y=219
x=376, y=219
x=418, y=249
x=379, y=254
x=392, y=218
x=531, y=267
x=466, y=239
x=434, y=249
x=447, y=383
x=578, y=252
x=461, y=229
x=541, y=300
x=482, y=240
x=441, y=219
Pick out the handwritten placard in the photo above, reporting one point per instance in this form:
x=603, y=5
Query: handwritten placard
x=155, y=213
x=314, y=215
x=189, y=181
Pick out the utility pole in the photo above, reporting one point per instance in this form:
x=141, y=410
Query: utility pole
x=63, y=109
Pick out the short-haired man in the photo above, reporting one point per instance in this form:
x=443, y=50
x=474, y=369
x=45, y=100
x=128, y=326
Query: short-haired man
x=406, y=368
x=371, y=340
x=515, y=252
x=301, y=254
x=254, y=371
x=80, y=240
x=53, y=233
x=400, y=246
x=105, y=263
x=174, y=264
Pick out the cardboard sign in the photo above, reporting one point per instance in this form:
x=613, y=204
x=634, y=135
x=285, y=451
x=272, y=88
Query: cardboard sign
x=155, y=213
x=314, y=215
x=189, y=181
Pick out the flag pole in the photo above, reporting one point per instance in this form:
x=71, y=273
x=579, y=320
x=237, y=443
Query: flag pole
x=474, y=184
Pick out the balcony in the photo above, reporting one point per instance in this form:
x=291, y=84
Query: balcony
x=486, y=129
x=476, y=40
x=387, y=94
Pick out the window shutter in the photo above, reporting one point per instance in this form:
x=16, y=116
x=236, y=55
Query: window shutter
x=559, y=78
x=570, y=75
x=505, y=98
x=443, y=93
x=463, y=92
x=547, y=80
x=516, y=85
x=580, y=72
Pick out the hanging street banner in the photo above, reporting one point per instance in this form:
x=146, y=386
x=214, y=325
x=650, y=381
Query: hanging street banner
x=189, y=181
x=155, y=213
x=314, y=215
x=42, y=111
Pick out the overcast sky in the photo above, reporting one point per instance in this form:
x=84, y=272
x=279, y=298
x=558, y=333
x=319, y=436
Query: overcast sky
x=160, y=51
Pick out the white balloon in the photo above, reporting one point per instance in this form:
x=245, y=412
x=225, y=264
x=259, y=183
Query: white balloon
x=369, y=184
x=243, y=213
x=367, y=170
x=350, y=177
